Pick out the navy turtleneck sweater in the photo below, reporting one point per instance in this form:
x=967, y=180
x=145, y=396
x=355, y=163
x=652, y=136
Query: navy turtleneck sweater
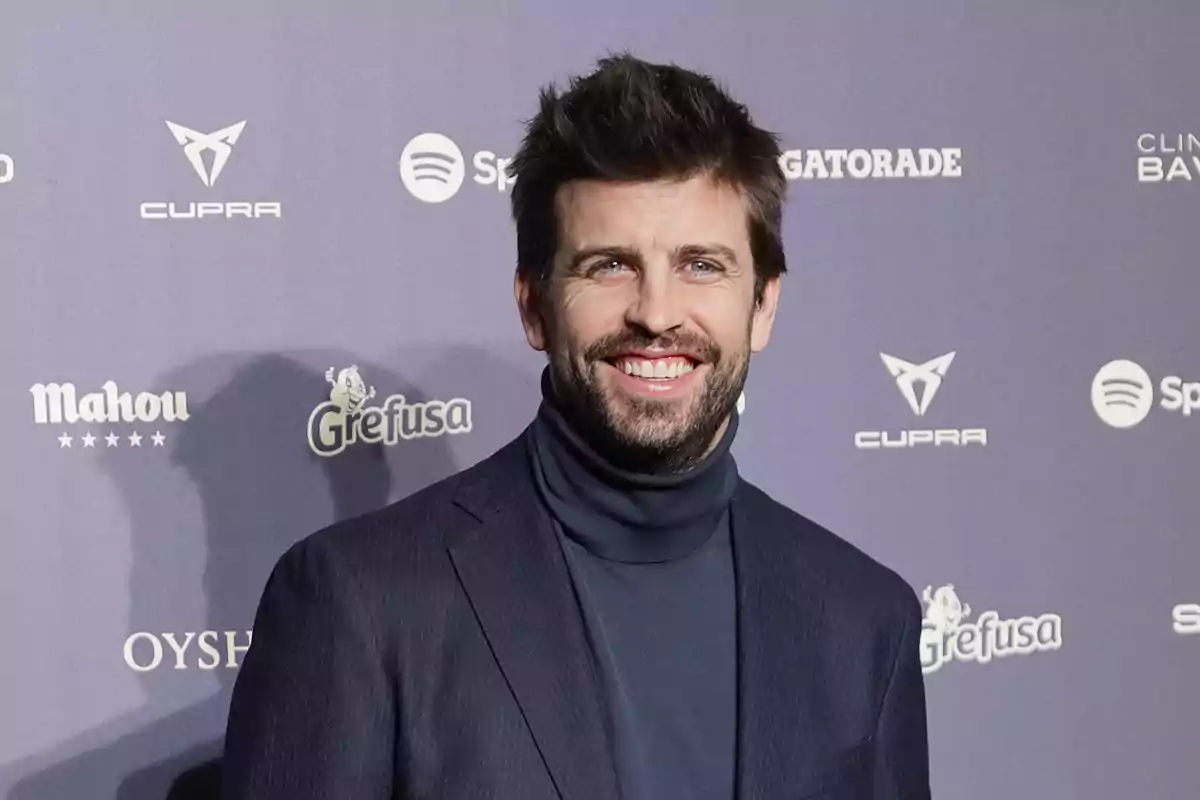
x=652, y=565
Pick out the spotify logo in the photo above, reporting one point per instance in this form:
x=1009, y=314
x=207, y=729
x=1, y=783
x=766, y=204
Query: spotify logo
x=431, y=167
x=1122, y=393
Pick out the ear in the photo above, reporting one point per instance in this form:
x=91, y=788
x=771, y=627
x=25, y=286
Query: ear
x=764, y=315
x=529, y=307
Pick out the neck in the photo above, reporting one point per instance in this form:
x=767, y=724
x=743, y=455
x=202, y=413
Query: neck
x=622, y=514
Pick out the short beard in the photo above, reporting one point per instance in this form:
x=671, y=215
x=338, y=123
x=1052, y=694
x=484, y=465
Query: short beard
x=616, y=437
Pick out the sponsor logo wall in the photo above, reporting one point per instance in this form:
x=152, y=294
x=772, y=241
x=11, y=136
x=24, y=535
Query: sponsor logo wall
x=208, y=153
x=62, y=407
x=918, y=385
x=948, y=635
x=204, y=650
x=862, y=163
x=1002, y=328
x=433, y=169
x=1168, y=157
x=1123, y=394
x=1186, y=618
x=347, y=418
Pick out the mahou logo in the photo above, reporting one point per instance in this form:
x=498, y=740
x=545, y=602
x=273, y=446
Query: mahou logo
x=107, y=411
x=947, y=636
x=346, y=418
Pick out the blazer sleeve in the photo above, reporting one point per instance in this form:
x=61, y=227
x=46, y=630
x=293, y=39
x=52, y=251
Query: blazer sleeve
x=902, y=746
x=312, y=714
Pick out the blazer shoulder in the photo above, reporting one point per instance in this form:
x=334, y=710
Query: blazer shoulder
x=846, y=570
x=403, y=536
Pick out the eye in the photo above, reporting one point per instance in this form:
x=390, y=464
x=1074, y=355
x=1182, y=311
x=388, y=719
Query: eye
x=606, y=268
x=702, y=267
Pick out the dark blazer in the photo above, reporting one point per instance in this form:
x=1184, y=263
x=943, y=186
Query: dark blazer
x=435, y=649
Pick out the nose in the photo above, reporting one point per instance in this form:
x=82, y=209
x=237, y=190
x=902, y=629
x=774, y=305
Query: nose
x=657, y=307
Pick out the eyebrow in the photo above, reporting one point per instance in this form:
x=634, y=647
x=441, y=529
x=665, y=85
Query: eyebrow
x=631, y=256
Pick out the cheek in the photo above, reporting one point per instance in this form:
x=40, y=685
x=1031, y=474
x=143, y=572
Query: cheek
x=587, y=316
x=728, y=323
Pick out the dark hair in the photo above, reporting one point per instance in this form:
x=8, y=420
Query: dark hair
x=631, y=120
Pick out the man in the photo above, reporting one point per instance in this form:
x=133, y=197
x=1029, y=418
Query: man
x=602, y=609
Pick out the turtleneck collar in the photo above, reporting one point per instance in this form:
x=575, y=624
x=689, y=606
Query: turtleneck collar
x=625, y=516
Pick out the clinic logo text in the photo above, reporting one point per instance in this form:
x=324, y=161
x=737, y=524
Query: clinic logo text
x=918, y=384
x=947, y=635
x=346, y=418
x=1168, y=157
x=1123, y=394
x=433, y=169
x=208, y=154
x=873, y=163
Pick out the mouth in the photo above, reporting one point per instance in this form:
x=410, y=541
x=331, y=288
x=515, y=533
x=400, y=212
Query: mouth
x=655, y=367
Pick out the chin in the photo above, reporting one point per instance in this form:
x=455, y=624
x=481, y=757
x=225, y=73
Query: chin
x=656, y=412
x=654, y=430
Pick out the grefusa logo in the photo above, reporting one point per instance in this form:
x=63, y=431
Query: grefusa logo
x=346, y=418
x=947, y=635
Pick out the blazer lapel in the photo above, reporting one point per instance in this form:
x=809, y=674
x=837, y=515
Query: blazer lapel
x=512, y=569
x=784, y=700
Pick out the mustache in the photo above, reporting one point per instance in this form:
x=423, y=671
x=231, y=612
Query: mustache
x=698, y=348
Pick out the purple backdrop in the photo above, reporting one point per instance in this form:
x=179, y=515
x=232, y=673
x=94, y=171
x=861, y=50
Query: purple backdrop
x=222, y=238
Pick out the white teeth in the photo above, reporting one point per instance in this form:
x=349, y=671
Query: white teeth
x=659, y=369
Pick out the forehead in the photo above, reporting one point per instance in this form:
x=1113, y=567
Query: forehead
x=650, y=214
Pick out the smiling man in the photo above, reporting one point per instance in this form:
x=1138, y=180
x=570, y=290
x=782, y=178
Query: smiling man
x=602, y=609
x=648, y=310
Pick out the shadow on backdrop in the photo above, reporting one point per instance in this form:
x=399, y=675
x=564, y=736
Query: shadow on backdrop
x=244, y=454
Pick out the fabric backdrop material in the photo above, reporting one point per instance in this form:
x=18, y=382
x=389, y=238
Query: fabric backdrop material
x=258, y=267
